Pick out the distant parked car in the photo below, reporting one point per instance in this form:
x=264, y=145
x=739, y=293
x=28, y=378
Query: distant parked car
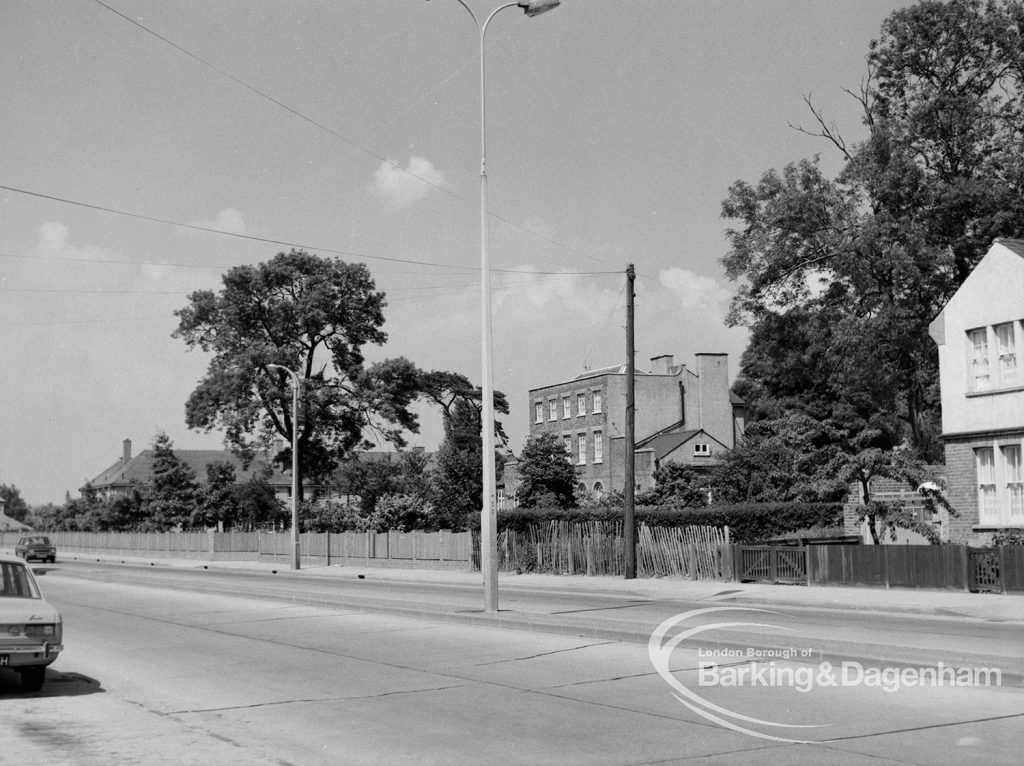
x=36, y=547
x=32, y=629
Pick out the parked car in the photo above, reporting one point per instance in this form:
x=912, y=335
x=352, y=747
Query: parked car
x=31, y=630
x=36, y=547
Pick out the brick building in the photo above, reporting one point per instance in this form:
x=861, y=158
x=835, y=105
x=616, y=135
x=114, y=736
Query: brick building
x=980, y=335
x=681, y=415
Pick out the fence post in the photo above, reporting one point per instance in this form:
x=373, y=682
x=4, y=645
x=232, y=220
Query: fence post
x=885, y=564
x=965, y=552
x=808, y=558
x=1002, y=569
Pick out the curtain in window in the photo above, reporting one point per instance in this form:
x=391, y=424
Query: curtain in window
x=1014, y=482
x=1007, y=354
x=988, y=510
x=979, y=357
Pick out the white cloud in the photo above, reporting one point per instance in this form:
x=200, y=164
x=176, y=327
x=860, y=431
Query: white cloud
x=400, y=188
x=695, y=291
x=53, y=243
x=227, y=220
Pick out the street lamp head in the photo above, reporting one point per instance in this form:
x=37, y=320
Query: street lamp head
x=537, y=7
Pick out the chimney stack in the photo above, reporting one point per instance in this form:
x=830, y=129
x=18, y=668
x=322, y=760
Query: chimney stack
x=126, y=455
x=661, y=365
x=715, y=407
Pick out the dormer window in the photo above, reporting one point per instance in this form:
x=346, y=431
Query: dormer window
x=701, y=450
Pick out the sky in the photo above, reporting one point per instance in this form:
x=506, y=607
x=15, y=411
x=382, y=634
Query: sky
x=149, y=146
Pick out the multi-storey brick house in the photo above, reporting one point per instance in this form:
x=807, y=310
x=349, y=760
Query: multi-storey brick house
x=681, y=415
x=980, y=335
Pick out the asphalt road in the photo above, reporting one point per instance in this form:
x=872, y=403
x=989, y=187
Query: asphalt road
x=830, y=634
x=209, y=667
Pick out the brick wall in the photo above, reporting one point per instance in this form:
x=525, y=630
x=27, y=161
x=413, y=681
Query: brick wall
x=961, y=481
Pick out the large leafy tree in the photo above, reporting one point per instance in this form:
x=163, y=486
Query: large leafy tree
x=173, y=498
x=456, y=490
x=841, y=277
x=14, y=506
x=457, y=481
x=546, y=474
x=679, y=485
x=451, y=391
x=314, y=316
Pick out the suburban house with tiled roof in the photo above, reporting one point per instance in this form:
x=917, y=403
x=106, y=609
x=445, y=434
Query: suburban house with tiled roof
x=137, y=470
x=7, y=524
x=980, y=335
x=681, y=415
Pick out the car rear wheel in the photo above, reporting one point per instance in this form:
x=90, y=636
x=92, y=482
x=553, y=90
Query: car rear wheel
x=32, y=678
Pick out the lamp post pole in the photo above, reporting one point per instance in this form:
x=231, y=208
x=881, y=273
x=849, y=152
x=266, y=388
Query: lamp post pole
x=488, y=515
x=295, y=461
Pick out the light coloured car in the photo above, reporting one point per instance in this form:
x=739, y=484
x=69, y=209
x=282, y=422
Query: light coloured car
x=31, y=630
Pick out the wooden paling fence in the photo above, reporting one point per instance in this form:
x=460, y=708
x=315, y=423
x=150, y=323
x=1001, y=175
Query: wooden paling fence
x=693, y=551
x=597, y=548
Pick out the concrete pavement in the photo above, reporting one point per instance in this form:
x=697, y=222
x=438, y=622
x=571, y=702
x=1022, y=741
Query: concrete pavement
x=938, y=603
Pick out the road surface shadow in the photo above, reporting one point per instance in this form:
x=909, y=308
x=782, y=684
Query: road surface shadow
x=58, y=684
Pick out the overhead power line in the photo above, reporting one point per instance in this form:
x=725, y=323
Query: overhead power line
x=267, y=240
x=319, y=125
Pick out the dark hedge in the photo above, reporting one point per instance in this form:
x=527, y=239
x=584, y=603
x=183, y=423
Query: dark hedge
x=747, y=523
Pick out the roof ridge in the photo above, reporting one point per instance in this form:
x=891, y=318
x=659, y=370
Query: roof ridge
x=1013, y=245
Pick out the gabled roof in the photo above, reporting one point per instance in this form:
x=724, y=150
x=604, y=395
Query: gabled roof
x=140, y=468
x=1013, y=245
x=937, y=329
x=666, y=442
x=7, y=524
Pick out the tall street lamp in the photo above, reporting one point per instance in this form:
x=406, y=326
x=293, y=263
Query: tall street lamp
x=296, y=384
x=488, y=516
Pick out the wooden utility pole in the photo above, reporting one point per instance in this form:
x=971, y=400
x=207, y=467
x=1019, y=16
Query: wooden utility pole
x=629, y=523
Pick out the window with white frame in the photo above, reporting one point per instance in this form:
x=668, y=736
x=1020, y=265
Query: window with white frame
x=566, y=407
x=538, y=412
x=988, y=508
x=581, y=405
x=1007, y=350
x=553, y=409
x=598, y=447
x=567, y=443
x=581, y=455
x=1014, y=482
x=977, y=347
x=597, y=402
